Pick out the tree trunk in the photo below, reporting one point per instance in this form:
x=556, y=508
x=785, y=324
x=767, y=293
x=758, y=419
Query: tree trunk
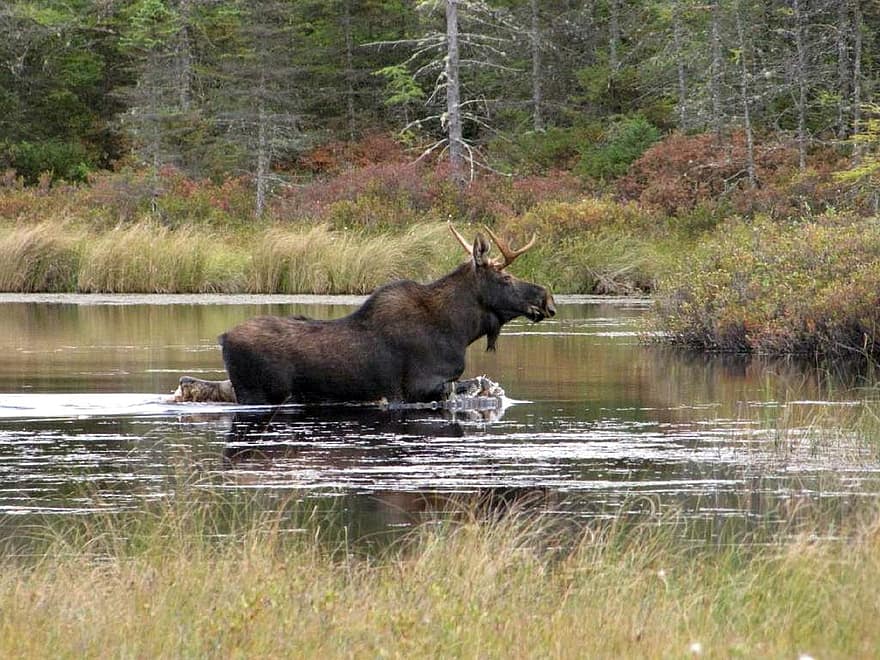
x=263, y=157
x=679, y=56
x=843, y=77
x=184, y=58
x=349, y=69
x=801, y=47
x=715, y=82
x=614, y=36
x=453, y=103
x=744, y=91
x=537, y=119
x=857, y=77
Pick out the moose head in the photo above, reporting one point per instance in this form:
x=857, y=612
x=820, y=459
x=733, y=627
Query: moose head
x=505, y=296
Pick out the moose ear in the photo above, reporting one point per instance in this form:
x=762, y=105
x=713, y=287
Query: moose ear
x=481, y=250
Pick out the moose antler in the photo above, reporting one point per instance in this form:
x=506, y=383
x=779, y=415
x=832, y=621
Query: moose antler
x=464, y=243
x=509, y=254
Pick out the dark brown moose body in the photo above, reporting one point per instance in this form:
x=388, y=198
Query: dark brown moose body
x=407, y=342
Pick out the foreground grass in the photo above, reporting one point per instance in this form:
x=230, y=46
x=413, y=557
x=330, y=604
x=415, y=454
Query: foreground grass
x=182, y=580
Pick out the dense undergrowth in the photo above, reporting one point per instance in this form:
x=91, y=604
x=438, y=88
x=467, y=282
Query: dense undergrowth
x=200, y=574
x=787, y=265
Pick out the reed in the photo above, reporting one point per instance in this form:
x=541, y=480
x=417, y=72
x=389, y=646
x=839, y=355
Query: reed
x=189, y=577
x=317, y=259
x=150, y=258
x=38, y=257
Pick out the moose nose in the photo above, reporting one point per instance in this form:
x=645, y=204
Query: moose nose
x=550, y=305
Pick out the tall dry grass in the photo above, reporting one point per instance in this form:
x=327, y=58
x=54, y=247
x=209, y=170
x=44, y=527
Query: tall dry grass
x=192, y=579
x=146, y=257
x=150, y=258
x=317, y=259
x=41, y=257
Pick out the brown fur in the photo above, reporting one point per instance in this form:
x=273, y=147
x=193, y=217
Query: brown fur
x=406, y=342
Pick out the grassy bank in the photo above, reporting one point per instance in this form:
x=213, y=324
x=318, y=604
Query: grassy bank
x=787, y=267
x=146, y=257
x=189, y=581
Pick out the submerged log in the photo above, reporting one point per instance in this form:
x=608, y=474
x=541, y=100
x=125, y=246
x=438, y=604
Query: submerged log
x=196, y=389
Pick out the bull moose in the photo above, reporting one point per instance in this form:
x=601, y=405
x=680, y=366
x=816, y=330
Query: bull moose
x=406, y=342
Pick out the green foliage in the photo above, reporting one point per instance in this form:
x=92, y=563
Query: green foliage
x=624, y=142
x=611, y=92
x=62, y=160
x=863, y=174
x=400, y=86
x=556, y=148
x=150, y=24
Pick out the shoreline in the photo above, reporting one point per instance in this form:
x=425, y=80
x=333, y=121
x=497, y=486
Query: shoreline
x=261, y=298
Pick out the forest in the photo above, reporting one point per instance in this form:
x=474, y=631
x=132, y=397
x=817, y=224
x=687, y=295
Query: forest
x=219, y=145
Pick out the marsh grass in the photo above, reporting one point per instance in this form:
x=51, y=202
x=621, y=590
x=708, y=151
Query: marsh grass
x=147, y=257
x=318, y=259
x=40, y=257
x=208, y=573
x=150, y=258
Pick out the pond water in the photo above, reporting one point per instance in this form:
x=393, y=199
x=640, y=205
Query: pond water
x=599, y=423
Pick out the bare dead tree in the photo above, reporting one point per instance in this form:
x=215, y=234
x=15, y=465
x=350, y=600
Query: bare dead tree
x=442, y=55
x=745, y=96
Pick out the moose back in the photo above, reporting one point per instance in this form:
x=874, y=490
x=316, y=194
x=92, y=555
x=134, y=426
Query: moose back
x=407, y=342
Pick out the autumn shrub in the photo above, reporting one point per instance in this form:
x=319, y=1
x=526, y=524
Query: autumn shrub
x=594, y=245
x=338, y=156
x=182, y=200
x=681, y=171
x=398, y=184
x=606, y=261
x=116, y=197
x=39, y=258
x=555, y=220
x=787, y=288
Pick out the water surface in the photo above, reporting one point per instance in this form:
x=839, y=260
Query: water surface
x=599, y=423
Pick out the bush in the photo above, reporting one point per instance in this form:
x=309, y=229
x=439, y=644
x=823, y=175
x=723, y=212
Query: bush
x=542, y=151
x=400, y=184
x=62, y=160
x=787, y=288
x=624, y=142
x=337, y=157
x=559, y=220
x=682, y=172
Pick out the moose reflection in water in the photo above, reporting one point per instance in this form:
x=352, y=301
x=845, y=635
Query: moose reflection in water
x=264, y=446
x=407, y=342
